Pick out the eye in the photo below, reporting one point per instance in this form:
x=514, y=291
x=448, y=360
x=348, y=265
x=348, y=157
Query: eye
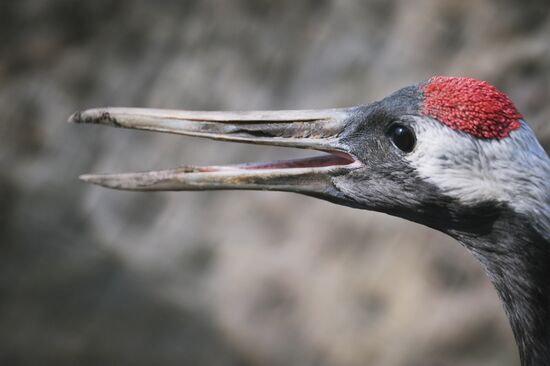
x=402, y=137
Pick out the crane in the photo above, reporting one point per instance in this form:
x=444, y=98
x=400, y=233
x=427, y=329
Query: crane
x=451, y=153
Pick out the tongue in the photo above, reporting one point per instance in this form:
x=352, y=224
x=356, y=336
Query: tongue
x=317, y=161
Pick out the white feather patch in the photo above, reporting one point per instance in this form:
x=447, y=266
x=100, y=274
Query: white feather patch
x=515, y=169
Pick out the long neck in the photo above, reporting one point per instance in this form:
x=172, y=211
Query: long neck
x=516, y=256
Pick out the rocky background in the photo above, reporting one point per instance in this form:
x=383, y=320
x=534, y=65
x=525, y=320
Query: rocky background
x=90, y=276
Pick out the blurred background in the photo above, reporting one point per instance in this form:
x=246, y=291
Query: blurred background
x=90, y=276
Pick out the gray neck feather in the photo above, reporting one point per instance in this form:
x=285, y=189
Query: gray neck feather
x=516, y=256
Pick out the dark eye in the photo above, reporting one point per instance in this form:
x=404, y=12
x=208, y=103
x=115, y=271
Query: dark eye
x=402, y=137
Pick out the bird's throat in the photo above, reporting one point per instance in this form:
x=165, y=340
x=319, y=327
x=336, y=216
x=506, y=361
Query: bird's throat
x=516, y=257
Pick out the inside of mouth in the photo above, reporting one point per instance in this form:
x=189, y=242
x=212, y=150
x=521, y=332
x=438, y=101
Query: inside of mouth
x=325, y=160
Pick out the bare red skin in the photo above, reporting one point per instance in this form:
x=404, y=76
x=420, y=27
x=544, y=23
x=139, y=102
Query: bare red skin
x=471, y=106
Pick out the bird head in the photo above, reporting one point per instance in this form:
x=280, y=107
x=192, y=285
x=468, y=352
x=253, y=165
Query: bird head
x=444, y=153
x=450, y=153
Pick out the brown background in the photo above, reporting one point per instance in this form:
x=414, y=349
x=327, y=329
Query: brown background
x=90, y=276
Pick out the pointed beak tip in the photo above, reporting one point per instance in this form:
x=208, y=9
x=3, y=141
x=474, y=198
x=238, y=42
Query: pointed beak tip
x=76, y=117
x=93, y=116
x=113, y=181
x=85, y=178
x=90, y=178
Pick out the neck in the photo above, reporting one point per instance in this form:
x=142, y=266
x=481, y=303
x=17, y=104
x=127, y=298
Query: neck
x=516, y=256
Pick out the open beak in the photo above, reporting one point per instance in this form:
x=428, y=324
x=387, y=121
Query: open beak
x=314, y=129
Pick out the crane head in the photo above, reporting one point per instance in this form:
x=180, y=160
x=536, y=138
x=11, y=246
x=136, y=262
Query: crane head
x=443, y=153
x=450, y=153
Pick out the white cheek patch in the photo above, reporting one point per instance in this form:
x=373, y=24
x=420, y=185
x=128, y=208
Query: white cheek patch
x=515, y=169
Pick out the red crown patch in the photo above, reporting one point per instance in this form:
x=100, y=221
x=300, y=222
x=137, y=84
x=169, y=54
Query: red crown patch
x=470, y=106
